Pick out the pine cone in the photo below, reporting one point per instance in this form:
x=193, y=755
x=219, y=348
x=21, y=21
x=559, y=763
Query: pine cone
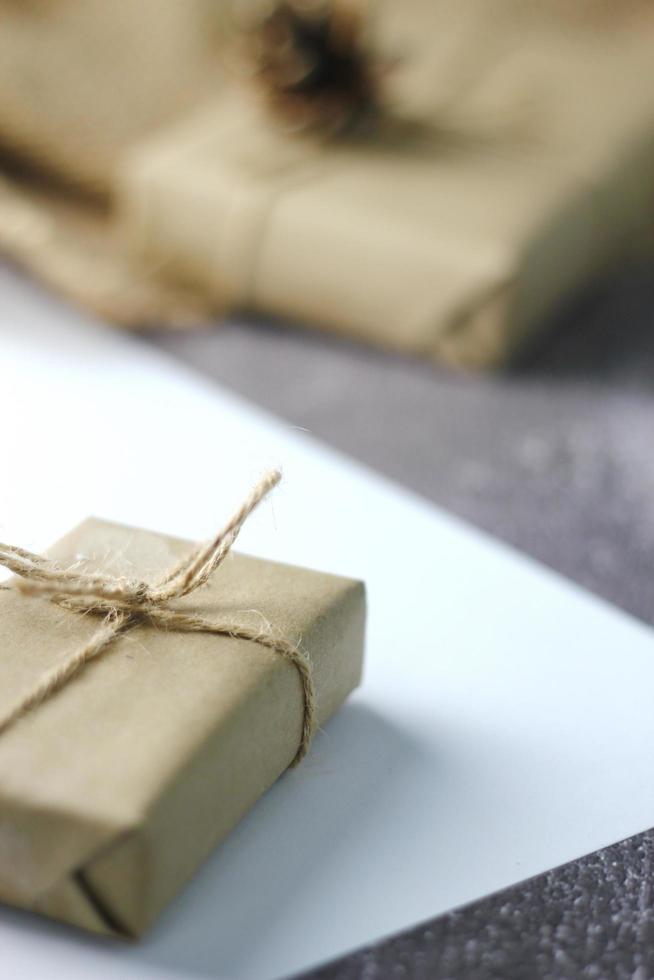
x=312, y=67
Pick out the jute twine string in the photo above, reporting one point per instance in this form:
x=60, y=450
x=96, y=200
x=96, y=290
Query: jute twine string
x=125, y=603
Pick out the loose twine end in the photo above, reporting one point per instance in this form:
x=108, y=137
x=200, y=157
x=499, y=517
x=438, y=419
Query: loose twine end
x=124, y=603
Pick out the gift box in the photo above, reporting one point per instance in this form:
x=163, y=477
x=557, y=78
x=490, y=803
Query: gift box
x=116, y=785
x=526, y=173
x=509, y=165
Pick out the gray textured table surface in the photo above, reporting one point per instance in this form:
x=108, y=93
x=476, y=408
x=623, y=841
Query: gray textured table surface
x=555, y=457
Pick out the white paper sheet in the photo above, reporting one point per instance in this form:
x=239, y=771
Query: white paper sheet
x=505, y=724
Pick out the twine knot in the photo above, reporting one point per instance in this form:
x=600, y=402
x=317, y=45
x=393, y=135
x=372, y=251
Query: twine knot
x=124, y=603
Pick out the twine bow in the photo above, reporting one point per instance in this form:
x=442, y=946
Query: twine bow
x=125, y=603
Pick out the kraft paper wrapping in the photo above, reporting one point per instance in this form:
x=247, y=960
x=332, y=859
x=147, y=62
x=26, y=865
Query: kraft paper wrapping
x=82, y=80
x=114, y=790
x=524, y=168
x=76, y=249
x=454, y=238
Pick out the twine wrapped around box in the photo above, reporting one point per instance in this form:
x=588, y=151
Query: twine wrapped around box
x=124, y=604
x=216, y=669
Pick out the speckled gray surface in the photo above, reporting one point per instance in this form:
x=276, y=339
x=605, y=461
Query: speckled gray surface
x=555, y=457
x=592, y=918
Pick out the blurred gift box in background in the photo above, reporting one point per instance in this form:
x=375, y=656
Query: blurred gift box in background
x=431, y=177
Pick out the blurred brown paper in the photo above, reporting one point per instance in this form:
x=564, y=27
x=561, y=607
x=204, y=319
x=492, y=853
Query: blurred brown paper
x=82, y=81
x=516, y=165
x=114, y=790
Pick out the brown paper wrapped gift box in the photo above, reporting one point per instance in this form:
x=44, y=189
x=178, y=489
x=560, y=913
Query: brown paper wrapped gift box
x=114, y=790
x=455, y=238
x=526, y=170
